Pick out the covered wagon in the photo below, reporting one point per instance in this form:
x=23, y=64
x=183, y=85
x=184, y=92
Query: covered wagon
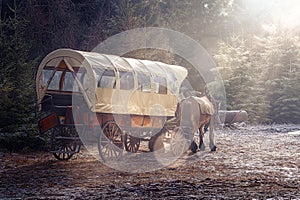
x=121, y=100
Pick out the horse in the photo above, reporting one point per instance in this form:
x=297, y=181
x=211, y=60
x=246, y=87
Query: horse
x=194, y=113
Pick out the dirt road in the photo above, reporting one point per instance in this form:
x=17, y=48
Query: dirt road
x=257, y=162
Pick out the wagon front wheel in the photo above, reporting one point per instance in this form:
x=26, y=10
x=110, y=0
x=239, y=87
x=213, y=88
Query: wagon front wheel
x=110, y=142
x=179, y=143
x=156, y=142
x=131, y=143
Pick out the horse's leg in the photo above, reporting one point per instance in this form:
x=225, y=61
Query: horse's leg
x=212, y=137
x=201, y=144
x=193, y=146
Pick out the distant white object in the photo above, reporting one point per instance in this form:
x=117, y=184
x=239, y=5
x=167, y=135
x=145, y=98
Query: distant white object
x=296, y=133
x=233, y=116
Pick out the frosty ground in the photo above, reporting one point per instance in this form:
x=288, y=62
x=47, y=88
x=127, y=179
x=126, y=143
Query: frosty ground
x=253, y=162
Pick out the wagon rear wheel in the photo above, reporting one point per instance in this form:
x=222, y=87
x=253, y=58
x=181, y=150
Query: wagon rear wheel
x=179, y=143
x=64, y=149
x=63, y=143
x=156, y=142
x=110, y=142
x=131, y=143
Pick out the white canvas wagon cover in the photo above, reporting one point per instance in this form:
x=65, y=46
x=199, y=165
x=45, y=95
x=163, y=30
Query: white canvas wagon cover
x=116, y=99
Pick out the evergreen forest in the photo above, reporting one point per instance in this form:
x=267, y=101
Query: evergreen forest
x=257, y=55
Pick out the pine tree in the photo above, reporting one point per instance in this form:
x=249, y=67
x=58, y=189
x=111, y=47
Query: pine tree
x=283, y=77
x=241, y=68
x=263, y=77
x=16, y=75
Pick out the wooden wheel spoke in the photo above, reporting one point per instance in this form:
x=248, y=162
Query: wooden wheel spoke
x=106, y=151
x=105, y=142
